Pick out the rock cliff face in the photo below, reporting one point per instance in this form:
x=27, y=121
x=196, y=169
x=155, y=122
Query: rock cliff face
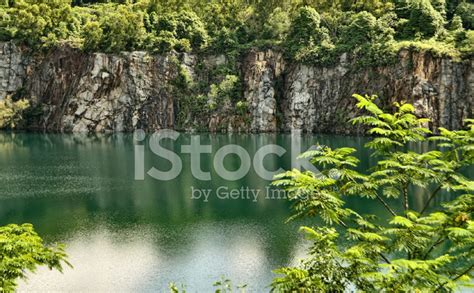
x=319, y=98
x=262, y=71
x=72, y=91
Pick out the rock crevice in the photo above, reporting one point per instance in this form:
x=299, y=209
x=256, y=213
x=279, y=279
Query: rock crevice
x=73, y=91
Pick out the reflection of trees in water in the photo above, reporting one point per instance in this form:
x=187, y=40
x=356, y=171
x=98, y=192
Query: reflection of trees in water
x=80, y=182
x=110, y=197
x=25, y=139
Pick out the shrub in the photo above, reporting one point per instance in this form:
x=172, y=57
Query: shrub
x=407, y=253
x=226, y=91
x=5, y=33
x=11, y=113
x=92, y=34
x=456, y=24
x=437, y=48
x=440, y=6
x=241, y=107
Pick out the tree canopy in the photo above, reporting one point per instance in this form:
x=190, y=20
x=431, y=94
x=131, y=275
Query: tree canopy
x=311, y=31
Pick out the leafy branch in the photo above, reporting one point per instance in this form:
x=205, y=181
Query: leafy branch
x=405, y=253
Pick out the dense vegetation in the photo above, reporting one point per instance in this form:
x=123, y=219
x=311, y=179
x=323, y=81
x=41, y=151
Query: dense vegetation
x=22, y=251
x=412, y=250
x=312, y=31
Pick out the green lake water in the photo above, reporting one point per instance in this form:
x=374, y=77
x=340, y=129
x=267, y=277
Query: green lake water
x=124, y=234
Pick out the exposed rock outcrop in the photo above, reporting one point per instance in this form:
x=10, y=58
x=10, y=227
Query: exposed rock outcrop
x=97, y=93
x=261, y=71
x=72, y=91
x=13, y=64
x=318, y=99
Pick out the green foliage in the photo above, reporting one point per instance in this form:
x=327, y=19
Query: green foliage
x=225, y=286
x=436, y=48
x=11, y=113
x=42, y=23
x=119, y=28
x=5, y=33
x=419, y=19
x=22, y=251
x=196, y=99
x=456, y=24
x=466, y=44
x=93, y=34
x=466, y=11
x=440, y=6
x=224, y=92
x=230, y=24
x=242, y=107
x=277, y=25
x=181, y=31
x=368, y=38
x=415, y=250
x=364, y=28
x=311, y=32
x=375, y=7
x=307, y=41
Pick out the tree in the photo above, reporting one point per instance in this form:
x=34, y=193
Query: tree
x=440, y=6
x=230, y=24
x=277, y=25
x=42, y=23
x=456, y=24
x=427, y=249
x=121, y=28
x=22, y=250
x=466, y=11
x=182, y=31
x=5, y=34
x=366, y=36
x=419, y=19
x=307, y=41
x=375, y=7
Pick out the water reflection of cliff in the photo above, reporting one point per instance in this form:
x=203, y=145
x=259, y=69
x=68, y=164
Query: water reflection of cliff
x=87, y=175
x=65, y=179
x=80, y=189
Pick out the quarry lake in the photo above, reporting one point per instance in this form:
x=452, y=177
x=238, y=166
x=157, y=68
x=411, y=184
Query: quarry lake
x=124, y=234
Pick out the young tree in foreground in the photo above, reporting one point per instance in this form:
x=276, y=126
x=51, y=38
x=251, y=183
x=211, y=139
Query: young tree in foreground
x=22, y=250
x=414, y=250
